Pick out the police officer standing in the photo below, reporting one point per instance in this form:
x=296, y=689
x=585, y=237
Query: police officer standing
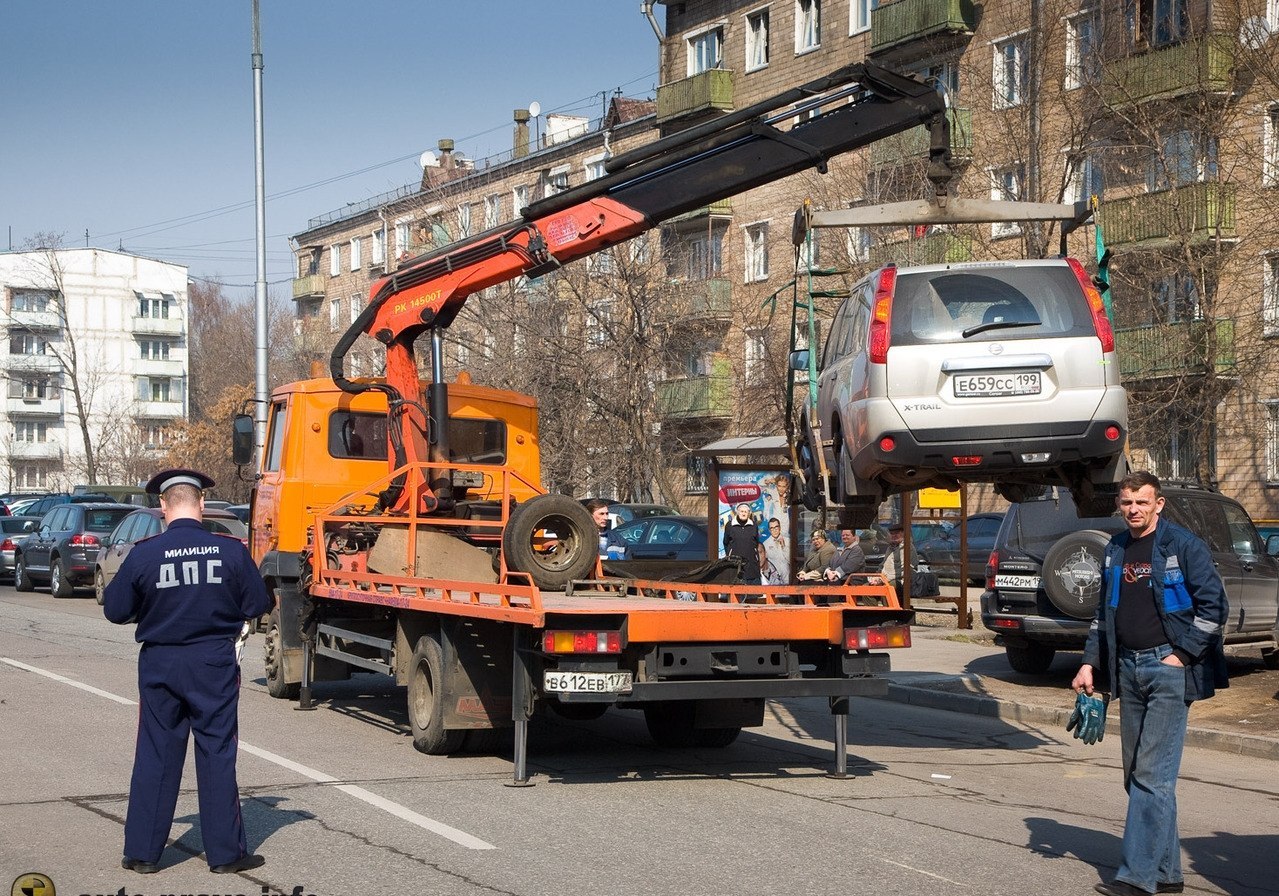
x=190, y=593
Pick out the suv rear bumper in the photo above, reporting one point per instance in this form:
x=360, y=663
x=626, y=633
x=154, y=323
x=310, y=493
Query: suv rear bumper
x=998, y=448
x=1062, y=632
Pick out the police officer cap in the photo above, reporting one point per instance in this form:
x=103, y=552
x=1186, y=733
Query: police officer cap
x=166, y=479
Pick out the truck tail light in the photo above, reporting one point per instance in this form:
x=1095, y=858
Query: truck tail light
x=581, y=642
x=877, y=637
x=84, y=540
x=882, y=315
x=1100, y=322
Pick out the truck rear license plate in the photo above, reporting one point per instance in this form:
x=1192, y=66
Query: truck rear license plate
x=587, y=682
x=996, y=385
x=1029, y=583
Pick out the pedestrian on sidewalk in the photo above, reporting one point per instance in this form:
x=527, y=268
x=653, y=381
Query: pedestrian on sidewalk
x=741, y=539
x=1156, y=643
x=191, y=593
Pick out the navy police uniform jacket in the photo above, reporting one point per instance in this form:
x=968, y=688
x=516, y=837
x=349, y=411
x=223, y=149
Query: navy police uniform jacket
x=186, y=585
x=1189, y=598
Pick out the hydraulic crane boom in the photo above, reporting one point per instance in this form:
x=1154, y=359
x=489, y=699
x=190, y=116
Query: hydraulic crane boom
x=643, y=188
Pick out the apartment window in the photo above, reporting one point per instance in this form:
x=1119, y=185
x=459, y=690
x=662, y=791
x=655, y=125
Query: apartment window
x=694, y=475
x=1012, y=71
x=1156, y=23
x=27, y=344
x=705, y=51
x=34, y=389
x=377, y=247
x=35, y=476
x=1270, y=295
x=809, y=251
x=1176, y=297
x=808, y=25
x=154, y=307
x=155, y=349
x=402, y=238
x=1182, y=157
x=1272, y=440
x=34, y=300
x=1007, y=185
x=519, y=198
x=492, y=211
x=857, y=241
x=357, y=305
x=463, y=220
x=30, y=431
x=640, y=250
x=1083, y=49
x=601, y=262
x=756, y=355
x=556, y=180
x=1270, y=146
x=335, y=314
x=356, y=244
x=335, y=260
x=943, y=76
x=599, y=321
x=756, y=40
x=159, y=390
x=756, y=252
x=153, y=435
x=1086, y=179
x=859, y=15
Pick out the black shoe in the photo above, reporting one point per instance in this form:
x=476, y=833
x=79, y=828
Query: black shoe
x=1178, y=887
x=139, y=866
x=1119, y=888
x=243, y=863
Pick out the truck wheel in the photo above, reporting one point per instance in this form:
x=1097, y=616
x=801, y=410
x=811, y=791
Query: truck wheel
x=99, y=586
x=59, y=584
x=21, y=578
x=553, y=539
x=670, y=724
x=273, y=657
x=1071, y=573
x=1032, y=658
x=426, y=700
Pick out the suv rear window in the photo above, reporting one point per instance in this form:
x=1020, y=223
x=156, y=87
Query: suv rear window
x=1035, y=526
x=940, y=306
x=105, y=520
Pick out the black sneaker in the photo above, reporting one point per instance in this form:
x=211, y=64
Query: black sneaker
x=243, y=863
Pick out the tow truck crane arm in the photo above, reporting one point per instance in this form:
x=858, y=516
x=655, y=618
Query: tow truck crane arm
x=642, y=188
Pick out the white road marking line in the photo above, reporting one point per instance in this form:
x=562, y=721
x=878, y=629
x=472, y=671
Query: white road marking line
x=461, y=838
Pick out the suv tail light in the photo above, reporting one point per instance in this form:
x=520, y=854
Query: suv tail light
x=8, y=545
x=1100, y=322
x=84, y=540
x=881, y=314
x=992, y=567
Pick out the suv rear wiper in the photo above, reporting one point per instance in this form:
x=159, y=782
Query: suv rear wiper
x=998, y=325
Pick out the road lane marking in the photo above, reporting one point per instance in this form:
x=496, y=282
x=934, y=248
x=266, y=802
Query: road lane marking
x=461, y=838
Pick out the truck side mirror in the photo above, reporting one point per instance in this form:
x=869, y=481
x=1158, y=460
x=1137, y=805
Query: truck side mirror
x=242, y=440
x=799, y=360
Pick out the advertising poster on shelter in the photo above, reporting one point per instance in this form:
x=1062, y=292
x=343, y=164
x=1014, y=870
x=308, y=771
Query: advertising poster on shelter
x=767, y=494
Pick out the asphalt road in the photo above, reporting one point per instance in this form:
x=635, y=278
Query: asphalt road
x=340, y=803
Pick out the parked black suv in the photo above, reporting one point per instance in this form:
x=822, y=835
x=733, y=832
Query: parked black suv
x=1044, y=574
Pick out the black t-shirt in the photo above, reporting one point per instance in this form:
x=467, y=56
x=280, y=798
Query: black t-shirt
x=1137, y=622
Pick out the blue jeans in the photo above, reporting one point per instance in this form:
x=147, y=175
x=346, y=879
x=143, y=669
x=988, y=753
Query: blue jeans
x=1152, y=724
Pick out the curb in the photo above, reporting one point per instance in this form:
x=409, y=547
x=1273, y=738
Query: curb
x=994, y=707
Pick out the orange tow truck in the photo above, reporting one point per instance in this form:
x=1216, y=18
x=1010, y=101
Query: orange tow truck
x=404, y=530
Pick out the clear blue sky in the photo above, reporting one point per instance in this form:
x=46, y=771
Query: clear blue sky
x=133, y=119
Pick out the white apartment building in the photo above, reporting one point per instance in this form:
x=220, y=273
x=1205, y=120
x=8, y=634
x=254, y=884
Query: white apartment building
x=96, y=352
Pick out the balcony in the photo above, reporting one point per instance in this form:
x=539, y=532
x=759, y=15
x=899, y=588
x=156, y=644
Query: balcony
x=157, y=410
x=159, y=326
x=35, y=451
x=704, y=93
x=893, y=25
x=698, y=396
x=309, y=287
x=34, y=407
x=159, y=367
x=34, y=364
x=34, y=320
x=935, y=248
x=1197, y=66
x=722, y=208
x=1194, y=213
x=1158, y=351
x=706, y=299
x=912, y=145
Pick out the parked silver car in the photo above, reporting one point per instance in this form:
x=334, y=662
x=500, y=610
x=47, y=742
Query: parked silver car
x=1000, y=372
x=12, y=528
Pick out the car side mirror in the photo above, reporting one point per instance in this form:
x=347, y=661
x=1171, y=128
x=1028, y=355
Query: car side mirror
x=242, y=439
x=799, y=360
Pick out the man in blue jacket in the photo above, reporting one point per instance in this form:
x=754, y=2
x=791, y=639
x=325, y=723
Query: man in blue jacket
x=1156, y=640
x=190, y=593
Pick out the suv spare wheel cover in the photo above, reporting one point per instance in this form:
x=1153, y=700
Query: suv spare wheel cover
x=1072, y=572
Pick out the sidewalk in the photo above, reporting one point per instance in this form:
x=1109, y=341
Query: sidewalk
x=962, y=670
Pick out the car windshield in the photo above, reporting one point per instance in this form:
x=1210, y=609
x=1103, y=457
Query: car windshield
x=999, y=302
x=105, y=520
x=1038, y=525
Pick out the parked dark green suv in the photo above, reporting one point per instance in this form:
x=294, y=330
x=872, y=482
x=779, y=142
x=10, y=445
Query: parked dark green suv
x=1044, y=574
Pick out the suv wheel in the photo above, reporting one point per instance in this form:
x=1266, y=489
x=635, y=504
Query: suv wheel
x=21, y=578
x=1072, y=572
x=59, y=584
x=1032, y=658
